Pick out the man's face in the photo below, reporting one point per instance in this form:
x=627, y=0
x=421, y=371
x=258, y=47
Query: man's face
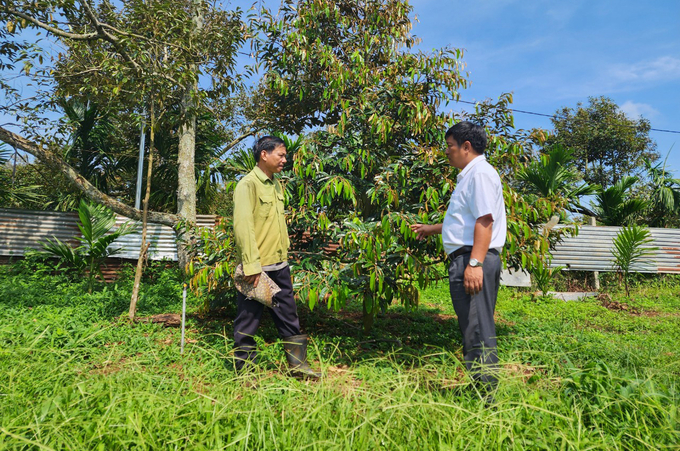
x=455, y=153
x=274, y=161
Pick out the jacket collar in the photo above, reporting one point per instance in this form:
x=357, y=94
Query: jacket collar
x=259, y=173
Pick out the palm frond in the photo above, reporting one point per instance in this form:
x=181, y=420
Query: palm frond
x=552, y=176
x=71, y=256
x=629, y=246
x=613, y=206
x=85, y=225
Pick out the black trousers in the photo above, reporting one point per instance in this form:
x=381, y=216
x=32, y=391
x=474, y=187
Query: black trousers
x=475, y=315
x=250, y=312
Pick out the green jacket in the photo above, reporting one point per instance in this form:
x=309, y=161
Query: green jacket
x=259, y=223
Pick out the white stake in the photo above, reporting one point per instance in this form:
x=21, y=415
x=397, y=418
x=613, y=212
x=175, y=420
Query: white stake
x=184, y=313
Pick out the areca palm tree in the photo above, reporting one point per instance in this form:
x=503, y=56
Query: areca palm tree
x=554, y=176
x=15, y=192
x=664, y=196
x=97, y=234
x=103, y=146
x=631, y=245
x=614, y=207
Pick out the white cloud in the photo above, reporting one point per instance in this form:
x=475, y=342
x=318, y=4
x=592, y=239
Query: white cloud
x=661, y=69
x=635, y=110
x=618, y=78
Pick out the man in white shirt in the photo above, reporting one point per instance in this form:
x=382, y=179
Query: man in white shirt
x=473, y=233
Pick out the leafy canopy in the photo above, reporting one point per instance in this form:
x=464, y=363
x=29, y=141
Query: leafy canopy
x=607, y=145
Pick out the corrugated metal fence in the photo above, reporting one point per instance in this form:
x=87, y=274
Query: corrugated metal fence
x=26, y=229
x=591, y=250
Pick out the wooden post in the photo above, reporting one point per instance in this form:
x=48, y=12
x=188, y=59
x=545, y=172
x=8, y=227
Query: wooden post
x=596, y=274
x=145, y=245
x=184, y=317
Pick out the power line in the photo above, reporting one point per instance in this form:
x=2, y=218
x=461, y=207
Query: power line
x=553, y=116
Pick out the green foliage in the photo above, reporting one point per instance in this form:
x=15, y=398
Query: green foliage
x=91, y=144
x=212, y=267
x=15, y=191
x=378, y=166
x=151, y=49
x=114, y=58
x=631, y=244
x=554, y=176
x=614, y=206
x=97, y=236
x=664, y=196
x=607, y=145
x=544, y=275
x=347, y=71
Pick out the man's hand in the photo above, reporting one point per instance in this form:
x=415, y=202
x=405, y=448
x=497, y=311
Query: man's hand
x=253, y=279
x=424, y=230
x=473, y=280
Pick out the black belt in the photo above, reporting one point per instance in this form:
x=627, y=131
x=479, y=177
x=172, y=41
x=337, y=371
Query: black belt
x=466, y=250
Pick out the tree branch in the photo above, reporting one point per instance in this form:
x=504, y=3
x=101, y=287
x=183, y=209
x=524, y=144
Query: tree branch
x=143, y=38
x=53, y=30
x=232, y=144
x=90, y=191
x=108, y=37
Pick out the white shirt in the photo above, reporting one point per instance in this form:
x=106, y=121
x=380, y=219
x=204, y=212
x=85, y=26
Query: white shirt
x=478, y=192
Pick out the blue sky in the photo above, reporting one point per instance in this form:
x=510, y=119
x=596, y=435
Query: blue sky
x=554, y=54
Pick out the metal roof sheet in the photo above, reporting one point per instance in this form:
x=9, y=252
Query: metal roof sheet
x=26, y=229
x=591, y=250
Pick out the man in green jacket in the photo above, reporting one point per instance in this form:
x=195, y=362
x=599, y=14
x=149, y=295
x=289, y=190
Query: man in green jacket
x=262, y=245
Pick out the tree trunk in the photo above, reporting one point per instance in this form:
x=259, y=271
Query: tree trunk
x=368, y=313
x=145, y=246
x=186, y=181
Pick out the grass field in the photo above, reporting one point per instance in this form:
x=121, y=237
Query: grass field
x=576, y=375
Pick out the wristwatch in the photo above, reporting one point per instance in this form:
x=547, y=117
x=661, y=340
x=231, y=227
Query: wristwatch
x=475, y=263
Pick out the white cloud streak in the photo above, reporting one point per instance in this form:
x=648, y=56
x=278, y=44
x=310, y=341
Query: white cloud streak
x=635, y=110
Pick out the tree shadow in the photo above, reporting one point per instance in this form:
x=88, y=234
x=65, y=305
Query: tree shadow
x=401, y=337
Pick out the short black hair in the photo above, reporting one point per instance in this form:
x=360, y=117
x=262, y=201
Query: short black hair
x=267, y=143
x=468, y=131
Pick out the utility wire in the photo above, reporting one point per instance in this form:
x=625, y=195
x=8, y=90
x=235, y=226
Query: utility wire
x=553, y=116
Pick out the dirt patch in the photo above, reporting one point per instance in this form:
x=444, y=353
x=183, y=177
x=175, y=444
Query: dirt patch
x=107, y=367
x=503, y=321
x=518, y=370
x=460, y=378
x=651, y=313
x=341, y=379
x=607, y=302
x=175, y=341
x=441, y=318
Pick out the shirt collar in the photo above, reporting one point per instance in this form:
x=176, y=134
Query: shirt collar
x=259, y=173
x=470, y=165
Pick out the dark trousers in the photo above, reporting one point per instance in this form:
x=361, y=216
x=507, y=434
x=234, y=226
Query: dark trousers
x=249, y=313
x=475, y=315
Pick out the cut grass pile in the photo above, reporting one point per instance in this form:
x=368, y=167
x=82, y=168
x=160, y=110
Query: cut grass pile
x=574, y=376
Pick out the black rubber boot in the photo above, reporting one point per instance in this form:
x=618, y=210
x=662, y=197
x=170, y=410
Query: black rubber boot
x=296, y=354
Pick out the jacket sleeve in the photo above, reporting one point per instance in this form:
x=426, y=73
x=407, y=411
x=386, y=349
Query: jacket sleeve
x=244, y=228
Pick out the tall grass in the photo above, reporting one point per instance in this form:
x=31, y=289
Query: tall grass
x=574, y=376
